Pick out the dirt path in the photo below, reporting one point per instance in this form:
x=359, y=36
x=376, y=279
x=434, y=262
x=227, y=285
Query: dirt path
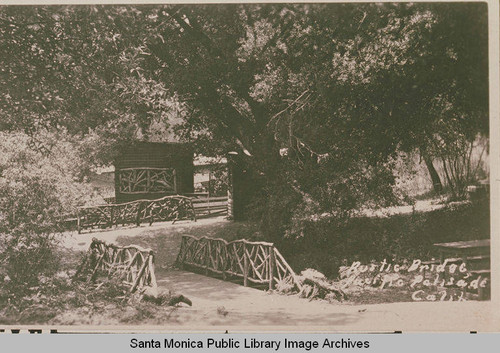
x=221, y=304
x=127, y=234
x=199, y=228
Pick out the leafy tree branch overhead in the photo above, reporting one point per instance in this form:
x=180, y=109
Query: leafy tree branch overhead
x=339, y=89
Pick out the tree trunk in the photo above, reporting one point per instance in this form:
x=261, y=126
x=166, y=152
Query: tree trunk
x=436, y=180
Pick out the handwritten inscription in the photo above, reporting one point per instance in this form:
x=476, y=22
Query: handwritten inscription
x=446, y=281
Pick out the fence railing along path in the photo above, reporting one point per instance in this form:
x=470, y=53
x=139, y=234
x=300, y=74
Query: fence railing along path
x=168, y=208
x=256, y=262
x=131, y=264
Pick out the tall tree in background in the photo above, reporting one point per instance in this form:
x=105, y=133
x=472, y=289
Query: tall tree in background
x=317, y=98
x=342, y=88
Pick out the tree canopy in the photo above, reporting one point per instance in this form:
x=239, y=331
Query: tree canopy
x=317, y=99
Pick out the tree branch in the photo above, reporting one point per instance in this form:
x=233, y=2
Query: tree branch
x=193, y=28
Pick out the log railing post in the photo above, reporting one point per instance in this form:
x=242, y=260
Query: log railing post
x=78, y=226
x=223, y=261
x=207, y=255
x=139, y=274
x=245, y=265
x=152, y=281
x=192, y=209
x=140, y=206
x=208, y=198
x=272, y=261
x=180, y=256
x=111, y=216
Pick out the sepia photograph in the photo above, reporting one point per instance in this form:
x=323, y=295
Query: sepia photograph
x=246, y=166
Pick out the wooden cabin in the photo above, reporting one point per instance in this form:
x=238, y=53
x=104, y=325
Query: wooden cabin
x=150, y=170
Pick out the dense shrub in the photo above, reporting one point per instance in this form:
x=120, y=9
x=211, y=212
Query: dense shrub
x=327, y=244
x=39, y=187
x=292, y=196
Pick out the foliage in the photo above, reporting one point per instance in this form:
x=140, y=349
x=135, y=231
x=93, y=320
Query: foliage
x=38, y=190
x=462, y=162
x=339, y=89
x=62, y=301
x=77, y=68
x=327, y=244
x=317, y=99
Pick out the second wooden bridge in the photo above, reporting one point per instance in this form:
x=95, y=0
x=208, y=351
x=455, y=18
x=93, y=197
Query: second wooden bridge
x=256, y=262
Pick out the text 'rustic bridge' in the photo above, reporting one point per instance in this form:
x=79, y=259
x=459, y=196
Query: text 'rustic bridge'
x=256, y=262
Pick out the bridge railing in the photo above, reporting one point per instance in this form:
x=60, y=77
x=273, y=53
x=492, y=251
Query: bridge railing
x=256, y=262
x=168, y=208
x=132, y=264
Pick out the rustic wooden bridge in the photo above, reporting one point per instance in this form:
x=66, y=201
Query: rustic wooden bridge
x=256, y=262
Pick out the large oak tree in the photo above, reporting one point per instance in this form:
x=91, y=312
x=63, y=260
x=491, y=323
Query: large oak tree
x=339, y=89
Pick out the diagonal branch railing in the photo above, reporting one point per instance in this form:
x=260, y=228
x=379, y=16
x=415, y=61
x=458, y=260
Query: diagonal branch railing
x=168, y=208
x=256, y=262
x=131, y=264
